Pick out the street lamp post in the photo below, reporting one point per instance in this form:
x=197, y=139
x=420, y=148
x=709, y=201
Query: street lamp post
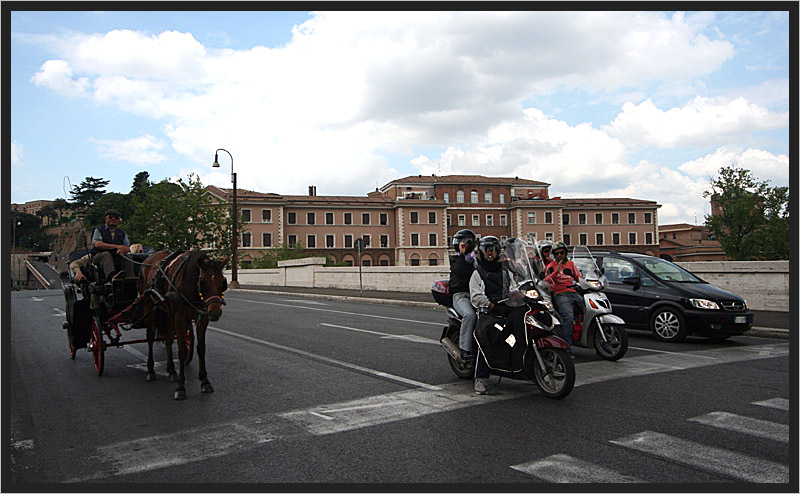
x=235, y=240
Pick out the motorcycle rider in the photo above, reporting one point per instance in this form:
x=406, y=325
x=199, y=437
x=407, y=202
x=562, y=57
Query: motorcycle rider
x=487, y=287
x=462, y=265
x=545, y=247
x=560, y=276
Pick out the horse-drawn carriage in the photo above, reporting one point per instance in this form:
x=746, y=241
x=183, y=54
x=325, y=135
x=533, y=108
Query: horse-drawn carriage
x=170, y=293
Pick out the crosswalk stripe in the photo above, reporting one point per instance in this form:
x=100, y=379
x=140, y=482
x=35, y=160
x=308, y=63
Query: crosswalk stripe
x=562, y=468
x=745, y=425
x=706, y=458
x=779, y=403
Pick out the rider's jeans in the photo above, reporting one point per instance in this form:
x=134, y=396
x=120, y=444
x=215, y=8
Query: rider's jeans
x=566, y=303
x=463, y=306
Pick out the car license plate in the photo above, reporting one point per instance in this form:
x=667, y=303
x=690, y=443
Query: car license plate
x=740, y=319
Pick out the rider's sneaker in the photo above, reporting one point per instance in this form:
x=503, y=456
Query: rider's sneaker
x=467, y=355
x=480, y=386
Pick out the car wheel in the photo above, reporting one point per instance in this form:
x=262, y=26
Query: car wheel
x=668, y=325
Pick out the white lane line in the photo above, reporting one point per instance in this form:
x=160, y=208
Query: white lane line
x=340, y=363
x=706, y=458
x=779, y=403
x=562, y=468
x=406, y=337
x=671, y=353
x=304, y=301
x=745, y=425
x=361, y=314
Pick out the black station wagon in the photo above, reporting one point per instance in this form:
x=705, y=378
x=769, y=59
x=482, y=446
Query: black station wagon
x=652, y=293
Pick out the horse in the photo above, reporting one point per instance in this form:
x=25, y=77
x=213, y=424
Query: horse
x=190, y=284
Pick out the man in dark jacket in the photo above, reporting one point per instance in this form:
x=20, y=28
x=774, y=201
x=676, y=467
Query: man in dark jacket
x=112, y=246
x=461, y=267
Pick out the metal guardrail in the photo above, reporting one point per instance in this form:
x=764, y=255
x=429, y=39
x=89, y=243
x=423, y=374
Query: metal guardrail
x=36, y=274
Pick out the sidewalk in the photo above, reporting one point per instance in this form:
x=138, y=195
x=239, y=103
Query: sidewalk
x=767, y=323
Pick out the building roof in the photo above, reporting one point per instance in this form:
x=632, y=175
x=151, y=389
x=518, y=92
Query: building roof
x=462, y=179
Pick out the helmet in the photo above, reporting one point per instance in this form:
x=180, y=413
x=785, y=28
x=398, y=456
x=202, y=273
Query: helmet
x=489, y=242
x=463, y=235
x=545, y=244
x=560, y=245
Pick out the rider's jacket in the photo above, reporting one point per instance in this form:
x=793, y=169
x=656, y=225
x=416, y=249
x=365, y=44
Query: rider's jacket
x=562, y=282
x=492, y=275
x=117, y=239
x=460, y=272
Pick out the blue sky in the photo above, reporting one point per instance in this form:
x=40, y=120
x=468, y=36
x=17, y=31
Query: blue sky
x=646, y=105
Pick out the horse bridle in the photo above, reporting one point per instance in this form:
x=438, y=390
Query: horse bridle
x=210, y=300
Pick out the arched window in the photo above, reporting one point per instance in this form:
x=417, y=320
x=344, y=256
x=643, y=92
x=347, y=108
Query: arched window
x=473, y=197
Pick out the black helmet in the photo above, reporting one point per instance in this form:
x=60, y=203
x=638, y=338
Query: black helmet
x=489, y=242
x=559, y=246
x=463, y=235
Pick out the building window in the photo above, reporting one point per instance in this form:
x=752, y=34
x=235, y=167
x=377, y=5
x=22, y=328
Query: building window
x=383, y=262
x=631, y=218
x=266, y=240
x=446, y=197
x=432, y=217
x=473, y=197
x=462, y=220
x=632, y=238
x=348, y=241
x=648, y=237
x=266, y=215
x=366, y=240
x=365, y=218
x=487, y=197
x=565, y=218
x=432, y=239
x=615, y=218
x=531, y=218
x=414, y=217
x=449, y=220
x=648, y=218
x=582, y=239
x=489, y=220
x=328, y=218
x=246, y=215
x=549, y=236
x=311, y=241
x=503, y=220
x=348, y=218
x=599, y=239
x=582, y=218
x=548, y=218
x=292, y=239
x=459, y=196
x=247, y=239
x=476, y=220
x=502, y=198
x=366, y=262
x=415, y=261
x=567, y=239
x=415, y=239
x=291, y=218
x=384, y=218
x=615, y=238
x=329, y=241
x=311, y=218
x=384, y=241
x=598, y=218
x=433, y=261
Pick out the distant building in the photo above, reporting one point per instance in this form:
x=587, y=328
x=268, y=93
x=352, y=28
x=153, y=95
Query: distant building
x=411, y=221
x=683, y=242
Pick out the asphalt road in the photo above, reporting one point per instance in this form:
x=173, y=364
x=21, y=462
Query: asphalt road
x=325, y=391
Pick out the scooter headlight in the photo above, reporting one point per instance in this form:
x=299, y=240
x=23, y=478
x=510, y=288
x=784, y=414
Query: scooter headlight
x=533, y=294
x=595, y=284
x=539, y=320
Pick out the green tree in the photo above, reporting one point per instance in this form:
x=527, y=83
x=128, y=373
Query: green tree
x=141, y=182
x=270, y=258
x=752, y=219
x=180, y=215
x=88, y=192
x=95, y=214
x=26, y=232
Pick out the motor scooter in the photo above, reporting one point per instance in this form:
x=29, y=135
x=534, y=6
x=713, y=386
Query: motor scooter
x=541, y=356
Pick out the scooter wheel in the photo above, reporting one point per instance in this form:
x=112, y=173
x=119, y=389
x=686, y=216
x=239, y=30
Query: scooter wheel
x=615, y=344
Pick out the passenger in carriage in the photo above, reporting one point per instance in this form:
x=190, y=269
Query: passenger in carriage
x=112, y=246
x=84, y=263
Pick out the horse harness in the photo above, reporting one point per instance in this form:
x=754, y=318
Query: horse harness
x=174, y=293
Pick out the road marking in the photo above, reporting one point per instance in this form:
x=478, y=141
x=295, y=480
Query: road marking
x=745, y=425
x=24, y=445
x=304, y=301
x=670, y=353
x=59, y=312
x=407, y=337
x=706, y=458
x=343, y=312
x=779, y=403
x=36, y=299
x=338, y=363
x=562, y=468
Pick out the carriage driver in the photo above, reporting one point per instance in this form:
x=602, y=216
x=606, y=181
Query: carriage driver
x=112, y=246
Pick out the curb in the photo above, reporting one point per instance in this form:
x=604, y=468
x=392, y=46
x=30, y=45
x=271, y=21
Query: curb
x=776, y=333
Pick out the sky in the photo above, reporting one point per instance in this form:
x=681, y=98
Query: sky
x=643, y=105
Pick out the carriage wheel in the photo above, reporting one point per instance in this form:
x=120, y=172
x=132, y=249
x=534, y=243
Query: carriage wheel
x=98, y=345
x=69, y=341
x=69, y=295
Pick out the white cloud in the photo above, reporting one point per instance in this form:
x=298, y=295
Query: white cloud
x=763, y=165
x=701, y=122
x=140, y=151
x=57, y=75
x=16, y=154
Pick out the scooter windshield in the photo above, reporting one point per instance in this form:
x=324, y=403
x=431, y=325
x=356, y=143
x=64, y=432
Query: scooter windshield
x=517, y=267
x=583, y=259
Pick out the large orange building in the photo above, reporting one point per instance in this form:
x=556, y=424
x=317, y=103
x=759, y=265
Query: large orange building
x=411, y=221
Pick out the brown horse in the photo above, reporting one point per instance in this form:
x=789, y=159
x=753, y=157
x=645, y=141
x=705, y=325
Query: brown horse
x=189, y=285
